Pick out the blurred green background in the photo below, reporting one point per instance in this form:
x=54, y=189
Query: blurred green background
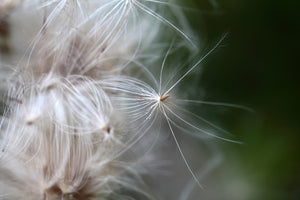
x=257, y=65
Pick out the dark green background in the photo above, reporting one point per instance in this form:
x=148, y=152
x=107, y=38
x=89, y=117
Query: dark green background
x=257, y=65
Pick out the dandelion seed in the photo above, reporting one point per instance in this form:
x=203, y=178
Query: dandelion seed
x=164, y=97
x=83, y=111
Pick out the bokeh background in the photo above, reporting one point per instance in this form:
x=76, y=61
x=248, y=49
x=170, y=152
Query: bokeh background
x=257, y=65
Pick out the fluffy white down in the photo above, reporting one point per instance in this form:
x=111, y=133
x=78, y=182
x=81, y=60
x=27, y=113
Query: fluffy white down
x=80, y=120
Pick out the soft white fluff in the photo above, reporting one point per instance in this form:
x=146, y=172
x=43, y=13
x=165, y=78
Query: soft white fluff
x=80, y=118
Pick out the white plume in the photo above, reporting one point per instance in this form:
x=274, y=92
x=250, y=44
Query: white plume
x=83, y=111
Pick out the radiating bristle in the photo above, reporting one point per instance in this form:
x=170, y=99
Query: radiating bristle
x=81, y=117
